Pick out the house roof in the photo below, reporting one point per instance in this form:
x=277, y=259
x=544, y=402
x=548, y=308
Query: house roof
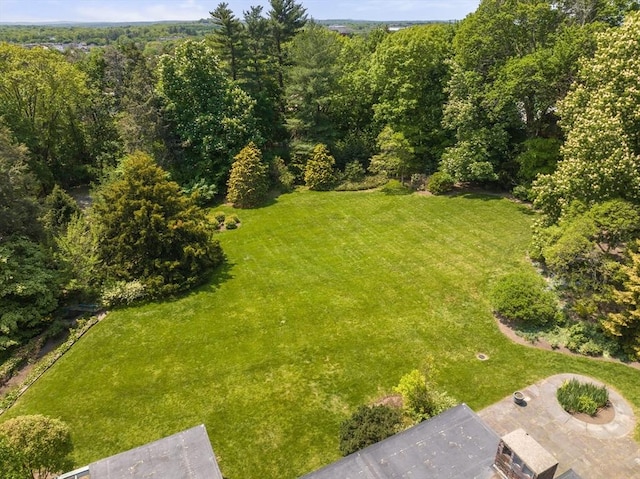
x=185, y=455
x=456, y=444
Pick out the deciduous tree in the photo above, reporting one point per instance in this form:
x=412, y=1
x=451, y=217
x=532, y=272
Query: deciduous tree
x=37, y=446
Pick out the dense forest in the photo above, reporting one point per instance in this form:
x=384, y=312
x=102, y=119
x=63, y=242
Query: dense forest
x=534, y=97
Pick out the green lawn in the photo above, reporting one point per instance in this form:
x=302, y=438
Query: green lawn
x=326, y=301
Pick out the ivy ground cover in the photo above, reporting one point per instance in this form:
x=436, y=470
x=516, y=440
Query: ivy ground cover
x=326, y=300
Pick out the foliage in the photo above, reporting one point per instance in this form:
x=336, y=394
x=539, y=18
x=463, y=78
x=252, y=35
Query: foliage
x=440, y=182
x=122, y=293
x=281, y=176
x=220, y=216
x=575, y=396
x=42, y=444
x=395, y=156
x=523, y=298
x=203, y=193
x=311, y=82
x=43, y=99
x=212, y=117
x=368, y=425
x=248, y=182
x=394, y=187
x=409, y=73
x=368, y=183
x=354, y=171
x=77, y=250
x=231, y=223
x=29, y=287
x=540, y=156
x=228, y=37
x=19, y=208
x=147, y=230
x=584, y=252
x=421, y=400
x=624, y=322
x=522, y=193
x=59, y=209
x=319, y=172
x=600, y=115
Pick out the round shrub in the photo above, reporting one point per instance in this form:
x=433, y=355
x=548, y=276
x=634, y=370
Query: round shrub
x=394, y=187
x=231, y=223
x=220, y=216
x=523, y=298
x=440, y=183
x=522, y=193
x=368, y=425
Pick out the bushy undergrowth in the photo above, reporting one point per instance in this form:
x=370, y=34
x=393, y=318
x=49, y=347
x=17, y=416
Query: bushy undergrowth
x=420, y=398
x=368, y=425
x=367, y=183
x=394, y=187
x=440, y=183
x=522, y=297
x=575, y=396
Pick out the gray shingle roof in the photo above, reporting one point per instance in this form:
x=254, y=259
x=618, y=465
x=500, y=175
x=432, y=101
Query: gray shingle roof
x=185, y=455
x=457, y=444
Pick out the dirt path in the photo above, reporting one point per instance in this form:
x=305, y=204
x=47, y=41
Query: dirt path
x=542, y=344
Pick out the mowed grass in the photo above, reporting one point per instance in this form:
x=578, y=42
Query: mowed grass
x=327, y=299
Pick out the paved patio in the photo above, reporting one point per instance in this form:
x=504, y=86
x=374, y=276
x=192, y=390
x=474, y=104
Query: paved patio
x=605, y=451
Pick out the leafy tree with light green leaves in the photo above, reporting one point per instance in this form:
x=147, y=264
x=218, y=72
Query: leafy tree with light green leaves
x=148, y=231
x=420, y=398
x=19, y=208
x=319, y=172
x=211, y=116
x=409, y=73
x=601, y=117
x=249, y=179
x=34, y=447
x=43, y=99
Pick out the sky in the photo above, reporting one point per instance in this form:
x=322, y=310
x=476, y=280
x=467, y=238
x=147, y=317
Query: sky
x=44, y=11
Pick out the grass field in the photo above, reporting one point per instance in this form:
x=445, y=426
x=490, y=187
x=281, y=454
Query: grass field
x=326, y=301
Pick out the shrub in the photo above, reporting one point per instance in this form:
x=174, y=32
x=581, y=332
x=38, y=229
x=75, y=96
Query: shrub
x=367, y=183
x=248, y=181
x=123, y=293
x=575, y=396
x=368, y=425
x=220, y=216
x=418, y=181
x=281, y=176
x=201, y=192
x=319, y=174
x=420, y=398
x=231, y=223
x=522, y=193
x=354, y=172
x=523, y=298
x=440, y=183
x=394, y=187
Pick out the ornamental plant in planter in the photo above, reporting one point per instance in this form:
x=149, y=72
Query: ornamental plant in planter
x=577, y=397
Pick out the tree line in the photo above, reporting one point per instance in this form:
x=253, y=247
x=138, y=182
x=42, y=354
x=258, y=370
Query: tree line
x=536, y=97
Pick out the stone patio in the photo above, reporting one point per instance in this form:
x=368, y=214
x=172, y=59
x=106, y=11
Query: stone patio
x=605, y=451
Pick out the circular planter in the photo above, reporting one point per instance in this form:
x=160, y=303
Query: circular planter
x=518, y=398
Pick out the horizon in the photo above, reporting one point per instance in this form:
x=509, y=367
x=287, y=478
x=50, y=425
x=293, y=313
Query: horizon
x=48, y=12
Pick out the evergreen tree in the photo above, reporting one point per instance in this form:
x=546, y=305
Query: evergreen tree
x=147, y=230
x=228, y=38
x=248, y=182
x=319, y=173
x=286, y=18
